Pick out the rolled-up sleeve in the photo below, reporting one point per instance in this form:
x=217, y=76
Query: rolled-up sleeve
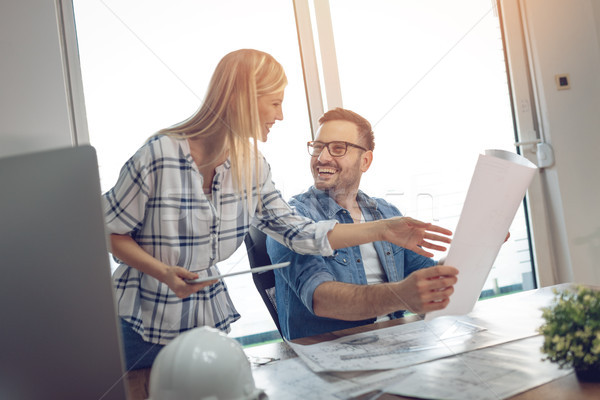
x=305, y=274
x=124, y=205
x=277, y=219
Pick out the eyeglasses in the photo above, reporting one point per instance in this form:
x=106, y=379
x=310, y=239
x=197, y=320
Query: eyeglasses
x=335, y=149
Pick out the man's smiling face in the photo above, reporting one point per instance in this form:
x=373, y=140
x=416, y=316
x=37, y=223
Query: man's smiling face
x=339, y=174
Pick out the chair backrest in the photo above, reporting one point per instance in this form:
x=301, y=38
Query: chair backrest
x=264, y=281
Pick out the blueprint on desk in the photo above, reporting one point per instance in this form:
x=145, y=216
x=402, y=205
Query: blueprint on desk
x=291, y=379
x=404, y=345
x=492, y=373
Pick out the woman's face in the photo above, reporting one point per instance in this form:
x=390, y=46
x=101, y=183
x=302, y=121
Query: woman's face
x=269, y=111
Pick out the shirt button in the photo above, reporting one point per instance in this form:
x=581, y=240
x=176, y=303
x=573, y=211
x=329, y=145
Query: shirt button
x=387, y=253
x=358, y=260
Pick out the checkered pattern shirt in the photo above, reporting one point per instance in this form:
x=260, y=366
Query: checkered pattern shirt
x=158, y=200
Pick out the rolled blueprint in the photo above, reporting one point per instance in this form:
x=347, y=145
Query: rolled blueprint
x=499, y=183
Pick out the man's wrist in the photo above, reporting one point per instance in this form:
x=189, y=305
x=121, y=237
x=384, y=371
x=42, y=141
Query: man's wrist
x=381, y=229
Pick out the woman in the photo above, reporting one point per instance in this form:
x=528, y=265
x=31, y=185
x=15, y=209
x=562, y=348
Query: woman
x=186, y=199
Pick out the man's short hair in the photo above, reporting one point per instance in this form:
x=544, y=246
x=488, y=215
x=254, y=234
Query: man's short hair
x=365, y=133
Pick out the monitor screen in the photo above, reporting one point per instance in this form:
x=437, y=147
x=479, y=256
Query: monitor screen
x=59, y=337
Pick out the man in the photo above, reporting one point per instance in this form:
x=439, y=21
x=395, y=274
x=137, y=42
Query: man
x=361, y=284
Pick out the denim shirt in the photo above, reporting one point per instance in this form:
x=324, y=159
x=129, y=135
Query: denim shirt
x=295, y=285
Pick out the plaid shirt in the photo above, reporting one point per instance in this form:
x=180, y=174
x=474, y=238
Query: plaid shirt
x=159, y=201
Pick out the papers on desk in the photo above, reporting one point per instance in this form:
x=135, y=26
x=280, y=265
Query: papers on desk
x=492, y=373
x=495, y=354
x=294, y=380
x=421, y=341
x=496, y=191
x=393, y=347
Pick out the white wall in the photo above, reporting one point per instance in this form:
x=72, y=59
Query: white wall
x=35, y=111
x=564, y=38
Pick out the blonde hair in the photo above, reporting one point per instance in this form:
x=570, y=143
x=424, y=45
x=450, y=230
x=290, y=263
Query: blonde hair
x=230, y=108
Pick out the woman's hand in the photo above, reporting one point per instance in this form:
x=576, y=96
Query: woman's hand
x=127, y=250
x=413, y=235
x=175, y=278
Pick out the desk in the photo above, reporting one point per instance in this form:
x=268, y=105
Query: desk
x=499, y=311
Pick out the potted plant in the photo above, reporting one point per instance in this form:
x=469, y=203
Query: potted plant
x=572, y=331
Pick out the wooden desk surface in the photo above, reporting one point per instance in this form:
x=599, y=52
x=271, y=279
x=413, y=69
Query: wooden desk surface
x=567, y=387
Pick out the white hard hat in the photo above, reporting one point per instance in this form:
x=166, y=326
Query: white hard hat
x=203, y=364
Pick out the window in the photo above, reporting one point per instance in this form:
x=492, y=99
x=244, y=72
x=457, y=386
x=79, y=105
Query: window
x=430, y=76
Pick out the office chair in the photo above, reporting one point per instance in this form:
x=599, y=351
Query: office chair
x=255, y=242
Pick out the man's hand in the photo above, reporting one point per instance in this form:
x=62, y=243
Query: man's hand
x=414, y=235
x=427, y=289
x=175, y=279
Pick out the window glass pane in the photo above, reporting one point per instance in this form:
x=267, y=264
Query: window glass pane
x=430, y=76
x=146, y=65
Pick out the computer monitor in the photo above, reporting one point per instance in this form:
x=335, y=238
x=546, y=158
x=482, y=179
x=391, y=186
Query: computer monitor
x=59, y=336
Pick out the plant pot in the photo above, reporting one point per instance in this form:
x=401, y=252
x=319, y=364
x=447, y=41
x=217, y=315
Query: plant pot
x=591, y=374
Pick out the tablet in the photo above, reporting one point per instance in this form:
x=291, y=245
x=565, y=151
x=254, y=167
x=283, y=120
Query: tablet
x=252, y=270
